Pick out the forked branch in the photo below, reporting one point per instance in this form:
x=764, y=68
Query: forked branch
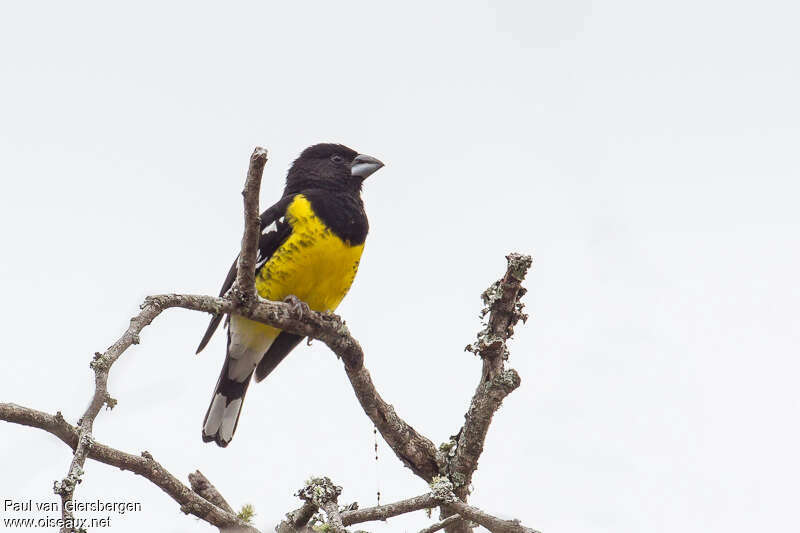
x=415, y=450
x=503, y=307
x=143, y=465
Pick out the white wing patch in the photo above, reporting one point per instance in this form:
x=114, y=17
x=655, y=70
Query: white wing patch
x=269, y=229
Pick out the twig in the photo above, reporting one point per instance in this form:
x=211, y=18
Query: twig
x=505, y=310
x=492, y=523
x=501, y=303
x=383, y=512
x=442, y=489
x=413, y=449
x=331, y=509
x=202, y=486
x=485, y=403
x=101, y=365
x=144, y=465
x=297, y=519
x=416, y=451
x=244, y=290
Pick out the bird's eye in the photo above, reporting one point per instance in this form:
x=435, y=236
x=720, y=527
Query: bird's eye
x=337, y=159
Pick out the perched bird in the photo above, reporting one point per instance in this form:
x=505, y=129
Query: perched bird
x=310, y=246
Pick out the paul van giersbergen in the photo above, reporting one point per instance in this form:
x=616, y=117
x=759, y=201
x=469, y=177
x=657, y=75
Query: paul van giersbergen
x=95, y=506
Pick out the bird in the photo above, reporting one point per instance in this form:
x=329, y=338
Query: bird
x=310, y=247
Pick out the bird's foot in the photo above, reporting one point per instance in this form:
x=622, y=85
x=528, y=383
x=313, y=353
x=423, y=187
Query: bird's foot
x=298, y=306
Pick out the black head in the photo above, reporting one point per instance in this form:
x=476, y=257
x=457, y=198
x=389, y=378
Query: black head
x=332, y=167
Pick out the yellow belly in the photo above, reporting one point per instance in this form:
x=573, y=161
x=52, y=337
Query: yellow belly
x=313, y=264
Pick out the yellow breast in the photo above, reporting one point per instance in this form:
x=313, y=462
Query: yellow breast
x=313, y=264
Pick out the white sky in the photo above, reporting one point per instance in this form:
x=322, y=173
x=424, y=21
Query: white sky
x=645, y=154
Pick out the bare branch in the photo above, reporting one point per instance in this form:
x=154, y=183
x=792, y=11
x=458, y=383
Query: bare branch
x=296, y=520
x=442, y=489
x=202, y=486
x=300, y=517
x=383, y=512
x=101, y=365
x=331, y=508
x=244, y=289
x=501, y=303
x=441, y=494
x=484, y=404
x=413, y=449
x=54, y=424
x=505, y=310
x=492, y=523
x=416, y=451
x=144, y=465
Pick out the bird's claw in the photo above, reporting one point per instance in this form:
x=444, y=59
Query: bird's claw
x=298, y=306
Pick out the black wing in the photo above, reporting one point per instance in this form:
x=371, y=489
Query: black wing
x=274, y=230
x=280, y=348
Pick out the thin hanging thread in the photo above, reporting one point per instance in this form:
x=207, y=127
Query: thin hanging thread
x=377, y=469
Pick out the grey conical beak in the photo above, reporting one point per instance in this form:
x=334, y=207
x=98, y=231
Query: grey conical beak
x=364, y=165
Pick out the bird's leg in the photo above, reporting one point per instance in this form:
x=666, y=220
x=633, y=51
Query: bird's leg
x=298, y=306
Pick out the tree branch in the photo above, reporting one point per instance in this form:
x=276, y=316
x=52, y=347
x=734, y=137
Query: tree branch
x=413, y=449
x=383, y=512
x=502, y=304
x=296, y=520
x=443, y=491
x=244, y=289
x=442, y=494
x=492, y=523
x=331, y=508
x=202, y=486
x=101, y=365
x=486, y=401
x=144, y=465
x=416, y=451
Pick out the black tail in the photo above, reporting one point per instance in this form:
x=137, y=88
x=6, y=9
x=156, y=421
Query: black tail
x=223, y=412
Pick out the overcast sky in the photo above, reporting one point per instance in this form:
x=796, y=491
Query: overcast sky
x=644, y=153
